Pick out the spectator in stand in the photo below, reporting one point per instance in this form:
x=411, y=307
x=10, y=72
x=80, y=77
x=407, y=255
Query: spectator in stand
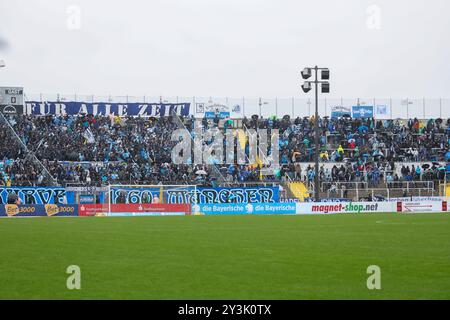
x=102, y=150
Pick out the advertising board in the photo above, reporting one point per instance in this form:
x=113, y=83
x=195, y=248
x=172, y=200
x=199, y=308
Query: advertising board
x=38, y=210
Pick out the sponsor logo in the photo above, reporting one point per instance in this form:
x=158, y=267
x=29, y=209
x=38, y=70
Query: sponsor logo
x=51, y=209
x=14, y=210
x=11, y=210
x=92, y=210
x=10, y=110
x=249, y=208
x=345, y=208
x=417, y=206
x=195, y=209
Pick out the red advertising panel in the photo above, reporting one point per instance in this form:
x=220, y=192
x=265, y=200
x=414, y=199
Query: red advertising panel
x=90, y=210
x=151, y=208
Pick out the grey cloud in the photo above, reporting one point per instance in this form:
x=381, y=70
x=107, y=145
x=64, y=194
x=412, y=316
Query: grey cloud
x=3, y=44
x=226, y=47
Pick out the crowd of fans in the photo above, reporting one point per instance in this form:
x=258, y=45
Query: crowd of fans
x=102, y=150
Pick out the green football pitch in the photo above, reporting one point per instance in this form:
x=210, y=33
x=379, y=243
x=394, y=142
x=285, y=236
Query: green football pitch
x=227, y=257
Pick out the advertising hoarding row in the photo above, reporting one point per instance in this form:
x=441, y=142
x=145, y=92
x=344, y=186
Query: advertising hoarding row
x=122, y=210
x=322, y=208
x=86, y=210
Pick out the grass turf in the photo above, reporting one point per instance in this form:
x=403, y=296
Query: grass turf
x=227, y=257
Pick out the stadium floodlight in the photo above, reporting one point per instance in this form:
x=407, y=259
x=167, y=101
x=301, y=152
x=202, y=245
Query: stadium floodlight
x=325, y=74
x=2, y=64
x=306, y=73
x=307, y=86
x=260, y=105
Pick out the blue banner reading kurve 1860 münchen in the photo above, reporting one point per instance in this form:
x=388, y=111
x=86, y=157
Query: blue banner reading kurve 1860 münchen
x=180, y=194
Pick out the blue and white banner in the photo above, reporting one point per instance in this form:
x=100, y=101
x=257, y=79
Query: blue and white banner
x=382, y=110
x=362, y=111
x=220, y=115
x=182, y=194
x=38, y=195
x=118, y=109
x=239, y=195
x=244, y=208
x=340, y=111
x=87, y=199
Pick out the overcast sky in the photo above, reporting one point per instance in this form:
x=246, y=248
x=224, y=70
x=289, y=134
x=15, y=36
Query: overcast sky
x=234, y=48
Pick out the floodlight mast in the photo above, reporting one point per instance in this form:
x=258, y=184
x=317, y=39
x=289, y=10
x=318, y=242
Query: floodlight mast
x=316, y=140
x=325, y=75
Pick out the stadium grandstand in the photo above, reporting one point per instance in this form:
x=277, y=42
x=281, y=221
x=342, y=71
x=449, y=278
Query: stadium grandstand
x=362, y=158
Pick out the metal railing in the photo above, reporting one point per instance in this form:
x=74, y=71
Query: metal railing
x=349, y=185
x=397, y=193
x=407, y=185
x=384, y=108
x=396, y=187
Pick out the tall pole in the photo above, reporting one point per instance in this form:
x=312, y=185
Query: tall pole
x=316, y=140
x=307, y=87
x=260, y=103
x=293, y=107
x=407, y=108
x=276, y=107
x=424, y=109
